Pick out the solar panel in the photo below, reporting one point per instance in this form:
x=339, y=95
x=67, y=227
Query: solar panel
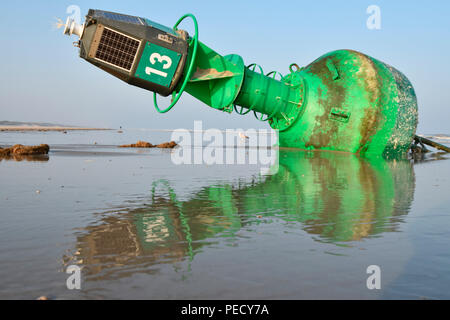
x=117, y=49
x=120, y=17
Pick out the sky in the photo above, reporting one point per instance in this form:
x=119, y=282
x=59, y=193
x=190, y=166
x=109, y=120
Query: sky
x=45, y=80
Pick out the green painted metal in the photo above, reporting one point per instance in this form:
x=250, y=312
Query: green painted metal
x=343, y=101
x=216, y=80
x=266, y=95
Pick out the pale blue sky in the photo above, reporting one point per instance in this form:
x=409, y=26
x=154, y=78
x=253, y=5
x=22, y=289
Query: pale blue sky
x=45, y=80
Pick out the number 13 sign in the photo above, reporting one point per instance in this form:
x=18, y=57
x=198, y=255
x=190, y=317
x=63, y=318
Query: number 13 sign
x=158, y=64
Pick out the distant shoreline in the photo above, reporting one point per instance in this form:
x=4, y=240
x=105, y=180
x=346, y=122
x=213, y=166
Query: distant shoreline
x=45, y=128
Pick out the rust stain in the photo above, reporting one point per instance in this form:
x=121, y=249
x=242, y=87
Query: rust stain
x=373, y=87
x=324, y=130
x=368, y=73
x=369, y=127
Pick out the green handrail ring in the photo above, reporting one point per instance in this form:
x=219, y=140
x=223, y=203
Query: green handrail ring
x=194, y=40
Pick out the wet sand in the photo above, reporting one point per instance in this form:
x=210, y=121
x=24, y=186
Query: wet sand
x=140, y=226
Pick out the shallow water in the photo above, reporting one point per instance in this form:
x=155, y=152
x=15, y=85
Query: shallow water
x=142, y=227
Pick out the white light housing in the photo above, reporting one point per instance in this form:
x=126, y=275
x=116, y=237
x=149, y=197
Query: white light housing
x=73, y=28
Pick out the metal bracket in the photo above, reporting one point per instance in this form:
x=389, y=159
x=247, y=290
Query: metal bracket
x=340, y=115
x=332, y=67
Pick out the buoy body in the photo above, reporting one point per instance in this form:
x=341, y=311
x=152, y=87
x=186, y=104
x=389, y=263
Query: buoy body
x=353, y=103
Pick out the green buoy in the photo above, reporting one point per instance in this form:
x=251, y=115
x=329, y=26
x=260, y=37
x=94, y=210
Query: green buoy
x=343, y=101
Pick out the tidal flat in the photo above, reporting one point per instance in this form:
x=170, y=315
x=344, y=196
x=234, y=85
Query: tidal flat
x=142, y=227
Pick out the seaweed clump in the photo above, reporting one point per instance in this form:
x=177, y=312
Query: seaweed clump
x=22, y=150
x=144, y=144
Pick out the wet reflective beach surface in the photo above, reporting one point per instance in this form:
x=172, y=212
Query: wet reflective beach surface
x=142, y=227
